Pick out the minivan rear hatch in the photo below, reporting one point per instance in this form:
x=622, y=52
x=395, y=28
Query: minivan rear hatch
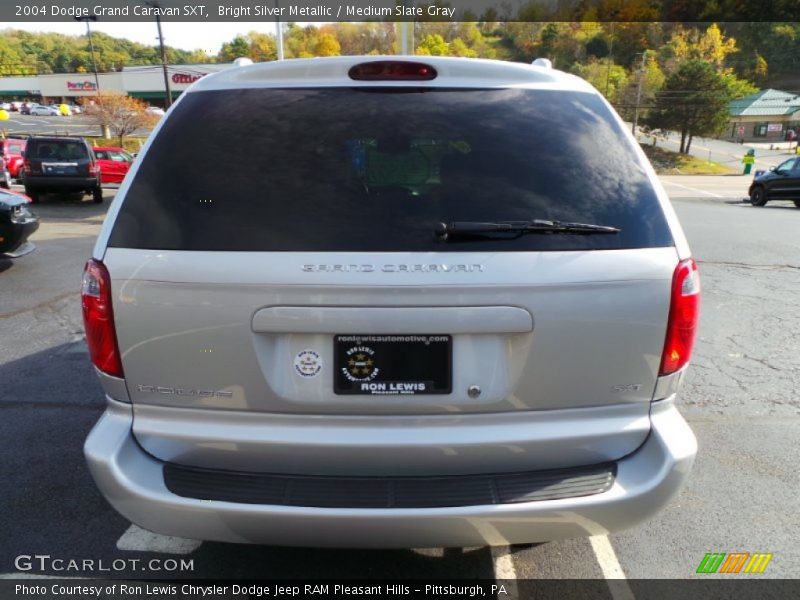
x=299, y=270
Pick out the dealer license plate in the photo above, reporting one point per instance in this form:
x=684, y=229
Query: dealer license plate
x=392, y=364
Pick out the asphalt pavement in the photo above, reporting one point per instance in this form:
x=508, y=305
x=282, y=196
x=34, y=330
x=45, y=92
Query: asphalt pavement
x=741, y=398
x=81, y=124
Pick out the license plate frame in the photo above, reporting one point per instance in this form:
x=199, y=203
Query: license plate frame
x=392, y=364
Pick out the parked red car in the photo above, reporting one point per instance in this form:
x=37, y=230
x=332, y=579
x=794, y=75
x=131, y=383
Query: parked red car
x=11, y=151
x=114, y=163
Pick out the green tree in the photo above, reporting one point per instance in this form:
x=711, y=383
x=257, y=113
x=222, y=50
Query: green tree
x=597, y=47
x=433, y=45
x=694, y=101
x=459, y=48
x=236, y=48
x=608, y=78
x=10, y=61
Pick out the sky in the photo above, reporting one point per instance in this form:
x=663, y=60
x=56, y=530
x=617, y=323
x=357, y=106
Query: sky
x=187, y=36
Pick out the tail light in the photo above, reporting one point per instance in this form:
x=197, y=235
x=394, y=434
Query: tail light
x=26, y=166
x=98, y=319
x=684, y=311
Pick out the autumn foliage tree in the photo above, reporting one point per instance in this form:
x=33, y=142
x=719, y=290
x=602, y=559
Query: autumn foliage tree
x=121, y=114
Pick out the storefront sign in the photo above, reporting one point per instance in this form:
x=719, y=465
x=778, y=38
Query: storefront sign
x=81, y=86
x=185, y=77
x=773, y=127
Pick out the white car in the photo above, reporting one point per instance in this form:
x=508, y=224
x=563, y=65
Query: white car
x=45, y=111
x=66, y=111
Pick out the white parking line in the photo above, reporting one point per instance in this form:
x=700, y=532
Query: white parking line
x=503, y=563
x=692, y=189
x=140, y=540
x=612, y=570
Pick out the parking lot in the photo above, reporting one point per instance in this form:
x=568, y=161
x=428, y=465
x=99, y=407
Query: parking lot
x=741, y=399
x=82, y=124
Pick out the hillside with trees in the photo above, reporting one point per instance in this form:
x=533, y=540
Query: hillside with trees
x=644, y=68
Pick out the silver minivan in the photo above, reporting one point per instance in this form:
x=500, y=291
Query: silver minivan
x=390, y=302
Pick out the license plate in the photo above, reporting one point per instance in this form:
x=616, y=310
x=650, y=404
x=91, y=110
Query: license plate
x=60, y=168
x=406, y=364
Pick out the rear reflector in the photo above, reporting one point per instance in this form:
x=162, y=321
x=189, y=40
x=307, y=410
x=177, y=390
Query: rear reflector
x=684, y=311
x=392, y=70
x=98, y=319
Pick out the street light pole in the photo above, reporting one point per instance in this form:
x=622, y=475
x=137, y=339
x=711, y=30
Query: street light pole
x=86, y=20
x=279, y=27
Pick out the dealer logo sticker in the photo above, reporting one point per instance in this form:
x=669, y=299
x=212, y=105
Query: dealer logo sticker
x=360, y=364
x=308, y=363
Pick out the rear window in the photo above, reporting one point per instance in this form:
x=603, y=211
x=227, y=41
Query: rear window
x=375, y=169
x=15, y=148
x=57, y=150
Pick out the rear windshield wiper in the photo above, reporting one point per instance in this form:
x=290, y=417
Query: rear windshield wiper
x=446, y=231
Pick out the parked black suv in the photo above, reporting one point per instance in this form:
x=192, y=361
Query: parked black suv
x=61, y=165
x=779, y=183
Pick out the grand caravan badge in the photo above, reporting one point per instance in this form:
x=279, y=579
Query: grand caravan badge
x=395, y=268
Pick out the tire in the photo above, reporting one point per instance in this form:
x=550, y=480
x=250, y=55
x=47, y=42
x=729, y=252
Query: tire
x=97, y=195
x=797, y=203
x=758, y=197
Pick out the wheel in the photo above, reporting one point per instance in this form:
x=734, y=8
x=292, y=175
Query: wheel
x=97, y=195
x=797, y=203
x=758, y=197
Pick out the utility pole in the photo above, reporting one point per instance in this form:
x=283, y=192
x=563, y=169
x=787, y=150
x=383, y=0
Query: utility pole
x=86, y=20
x=167, y=87
x=105, y=130
x=639, y=93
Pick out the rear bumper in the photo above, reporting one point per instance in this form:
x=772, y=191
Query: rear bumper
x=133, y=482
x=15, y=242
x=60, y=183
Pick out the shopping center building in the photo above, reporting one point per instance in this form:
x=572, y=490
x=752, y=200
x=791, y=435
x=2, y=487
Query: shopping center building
x=145, y=82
